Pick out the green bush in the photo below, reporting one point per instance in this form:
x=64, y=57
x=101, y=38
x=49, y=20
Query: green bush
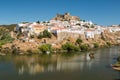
x=45, y=47
x=96, y=45
x=92, y=26
x=40, y=36
x=84, y=47
x=76, y=48
x=5, y=36
x=45, y=34
x=29, y=51
x=79, y=41
x=31, y=36
x=108, y=43
x=70, y=47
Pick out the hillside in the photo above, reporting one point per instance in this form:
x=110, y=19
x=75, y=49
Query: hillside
x=62, y=29
x=9, y=27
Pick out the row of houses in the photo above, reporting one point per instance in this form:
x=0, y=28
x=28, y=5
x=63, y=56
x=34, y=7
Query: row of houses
x=30, y=28
x=57, y=26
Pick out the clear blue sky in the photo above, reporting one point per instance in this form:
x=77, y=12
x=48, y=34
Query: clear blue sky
x=101, y=12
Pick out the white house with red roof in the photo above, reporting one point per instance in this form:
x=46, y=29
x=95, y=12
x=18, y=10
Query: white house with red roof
x=36, y=28
x=30, y=28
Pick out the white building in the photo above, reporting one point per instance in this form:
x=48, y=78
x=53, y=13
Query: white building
x=89, y=34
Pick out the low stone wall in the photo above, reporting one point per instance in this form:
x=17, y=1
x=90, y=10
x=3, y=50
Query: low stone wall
x=65, y=35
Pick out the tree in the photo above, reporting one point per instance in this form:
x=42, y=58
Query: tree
x=108, y=43
x=45, y=34
x=45, y=47
x=96, y=45
x=83, y=20
x=5, y=36
x=84, y=47
x=70, y=47
x=38, y=22
x=79, y=41
x=31, y=36
x=40, y=36
x=92, y=26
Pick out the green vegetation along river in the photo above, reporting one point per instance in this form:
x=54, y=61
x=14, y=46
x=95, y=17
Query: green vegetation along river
x=61, y=67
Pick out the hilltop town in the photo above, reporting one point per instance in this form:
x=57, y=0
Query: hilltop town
x=62, y=29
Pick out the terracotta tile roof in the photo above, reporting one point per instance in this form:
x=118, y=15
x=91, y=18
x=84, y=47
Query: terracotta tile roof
x=89, y=30
x=38, y=26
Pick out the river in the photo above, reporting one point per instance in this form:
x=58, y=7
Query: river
x=77, y=66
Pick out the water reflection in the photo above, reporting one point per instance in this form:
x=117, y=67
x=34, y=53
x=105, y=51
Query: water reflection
x=63, y=66
x=33, y=64
x=37, y=64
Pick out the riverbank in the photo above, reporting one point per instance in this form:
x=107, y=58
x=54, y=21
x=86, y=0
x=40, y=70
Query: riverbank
x=17, y=51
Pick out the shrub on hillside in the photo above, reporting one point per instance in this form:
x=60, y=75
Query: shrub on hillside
x=92, y=26
x=79, y=41
x=108, y=43
x=45, y=47
x=5, y=36
x=84, y=47
x=96, y=45
x=45, y=34
x=70, y=47
x=40, y=36
x=32, y=36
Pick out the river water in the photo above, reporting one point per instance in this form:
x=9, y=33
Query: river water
x=77, y=66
